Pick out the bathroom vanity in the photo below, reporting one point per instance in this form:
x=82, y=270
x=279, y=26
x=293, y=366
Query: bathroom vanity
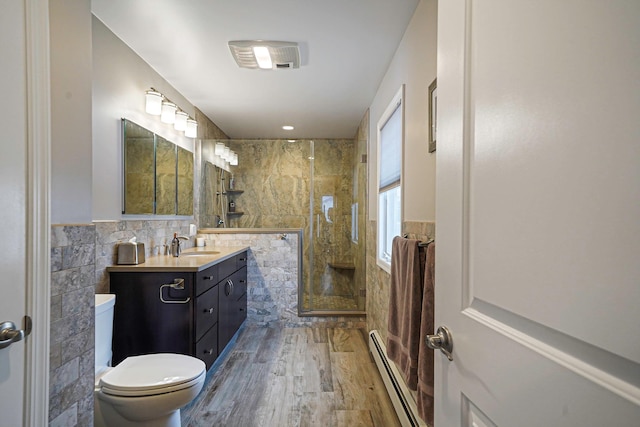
x=192, y=304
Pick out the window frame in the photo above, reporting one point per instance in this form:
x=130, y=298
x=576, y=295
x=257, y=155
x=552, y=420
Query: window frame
x=396, y=102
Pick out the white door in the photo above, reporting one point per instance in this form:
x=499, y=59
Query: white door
x=538, y=213
x=13, y=195
x=24, y=219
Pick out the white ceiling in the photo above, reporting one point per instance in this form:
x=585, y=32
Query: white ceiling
x=345, y=46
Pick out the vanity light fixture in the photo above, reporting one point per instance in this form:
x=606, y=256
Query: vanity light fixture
x=153, y=102
x=192, y=129
x=225, y=155
x=168, y=112
x=181, y=121
x=158, y=105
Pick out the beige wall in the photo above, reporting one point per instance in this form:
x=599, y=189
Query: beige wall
x=414, y=65
x=120, y=79
x=70, y=42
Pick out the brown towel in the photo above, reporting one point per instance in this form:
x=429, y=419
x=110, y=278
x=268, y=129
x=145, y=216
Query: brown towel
x=425, y=355
x=405, y=306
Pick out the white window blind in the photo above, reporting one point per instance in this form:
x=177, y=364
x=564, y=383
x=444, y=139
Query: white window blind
x=390, y=140
x=391, y=149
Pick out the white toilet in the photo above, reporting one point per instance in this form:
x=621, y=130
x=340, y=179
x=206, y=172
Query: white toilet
x=146, y=390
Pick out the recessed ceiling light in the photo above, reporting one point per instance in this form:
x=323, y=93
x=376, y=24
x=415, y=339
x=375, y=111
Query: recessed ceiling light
x=291, y=140
x=287, y=127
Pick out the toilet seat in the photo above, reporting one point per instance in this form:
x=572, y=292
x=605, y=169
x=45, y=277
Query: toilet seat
x=152, y=374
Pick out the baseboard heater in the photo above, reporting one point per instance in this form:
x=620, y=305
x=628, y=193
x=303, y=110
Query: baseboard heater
x=401, y=397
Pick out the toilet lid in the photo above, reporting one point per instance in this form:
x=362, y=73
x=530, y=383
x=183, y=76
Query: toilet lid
x=152, y=373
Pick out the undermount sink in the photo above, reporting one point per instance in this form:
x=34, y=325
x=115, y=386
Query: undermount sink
x=200, y=253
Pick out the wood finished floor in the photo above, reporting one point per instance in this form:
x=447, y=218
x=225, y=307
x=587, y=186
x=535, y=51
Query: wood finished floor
x=285, y=377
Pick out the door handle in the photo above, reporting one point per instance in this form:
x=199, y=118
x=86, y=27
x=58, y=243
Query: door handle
x=9, y=332
x=441, y=340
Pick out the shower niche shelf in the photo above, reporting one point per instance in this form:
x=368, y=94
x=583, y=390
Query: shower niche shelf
x=342, y=265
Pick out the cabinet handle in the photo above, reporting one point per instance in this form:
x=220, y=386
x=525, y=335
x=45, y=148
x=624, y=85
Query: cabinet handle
x=209, y=310
x=230, y=288
x=210, y=351
x=242, y=259
x=207, y=278
x=242, y=281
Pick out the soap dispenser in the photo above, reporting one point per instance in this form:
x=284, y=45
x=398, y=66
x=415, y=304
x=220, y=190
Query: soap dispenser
x=175, y=245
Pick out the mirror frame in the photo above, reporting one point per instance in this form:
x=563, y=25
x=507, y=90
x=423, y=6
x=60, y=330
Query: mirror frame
x=182, y=205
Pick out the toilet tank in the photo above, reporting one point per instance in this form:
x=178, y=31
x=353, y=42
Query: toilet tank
x=104, y=329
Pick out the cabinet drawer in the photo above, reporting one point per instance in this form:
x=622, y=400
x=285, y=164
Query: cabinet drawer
x=205, y=279
x=241, y=260
x=206, y=311
x=226, y=268
x=207, y=347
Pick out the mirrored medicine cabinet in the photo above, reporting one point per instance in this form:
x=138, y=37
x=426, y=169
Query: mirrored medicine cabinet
x=158, y=174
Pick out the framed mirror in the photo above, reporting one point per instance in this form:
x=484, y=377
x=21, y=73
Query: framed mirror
x=139, y=169
x=158, y=175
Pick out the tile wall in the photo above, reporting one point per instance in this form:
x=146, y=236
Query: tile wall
x=155, y=234
x=72, y=325
x=273, y=269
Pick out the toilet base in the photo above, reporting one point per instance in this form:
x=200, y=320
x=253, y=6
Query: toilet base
x=100, y=411
x=103, y=412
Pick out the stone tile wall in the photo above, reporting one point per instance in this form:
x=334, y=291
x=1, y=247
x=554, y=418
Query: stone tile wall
x=153, y=233
x=72, y=325
x=272, y=274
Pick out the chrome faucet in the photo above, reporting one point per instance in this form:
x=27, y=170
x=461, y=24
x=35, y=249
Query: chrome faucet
x=175, y=244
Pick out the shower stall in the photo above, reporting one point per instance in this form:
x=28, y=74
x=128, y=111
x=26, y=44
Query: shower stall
x=314, y=185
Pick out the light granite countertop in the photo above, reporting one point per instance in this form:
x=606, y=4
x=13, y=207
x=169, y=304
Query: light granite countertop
x=192, y=259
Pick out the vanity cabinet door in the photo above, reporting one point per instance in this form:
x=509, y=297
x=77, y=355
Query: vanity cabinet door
x=150, y=316
x=239, y=280
x=226, y=300
x=233, y=305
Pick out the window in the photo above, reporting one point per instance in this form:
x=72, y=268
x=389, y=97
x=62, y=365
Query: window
x=390, y=135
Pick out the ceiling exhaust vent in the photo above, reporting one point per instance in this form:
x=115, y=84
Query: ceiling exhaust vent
x=265, y=54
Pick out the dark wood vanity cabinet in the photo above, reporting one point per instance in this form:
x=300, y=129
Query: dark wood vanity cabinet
x=194, y=313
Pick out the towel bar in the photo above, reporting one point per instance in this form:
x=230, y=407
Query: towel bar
x=421, y=244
